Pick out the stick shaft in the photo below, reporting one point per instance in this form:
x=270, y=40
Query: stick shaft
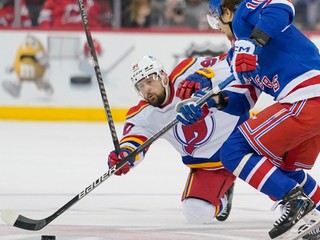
x=98, y=73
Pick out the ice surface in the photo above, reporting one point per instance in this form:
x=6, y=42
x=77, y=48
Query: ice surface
x=43, y=165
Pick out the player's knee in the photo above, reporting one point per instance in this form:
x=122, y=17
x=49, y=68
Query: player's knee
x=197, y=211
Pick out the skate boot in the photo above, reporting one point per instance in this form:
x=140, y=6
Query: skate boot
x=224, y=214
x=295, y=205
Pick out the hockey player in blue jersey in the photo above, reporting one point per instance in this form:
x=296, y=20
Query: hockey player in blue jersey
x=270, y=150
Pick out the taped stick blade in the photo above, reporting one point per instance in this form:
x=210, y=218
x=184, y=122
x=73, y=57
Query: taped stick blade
x=9, y=216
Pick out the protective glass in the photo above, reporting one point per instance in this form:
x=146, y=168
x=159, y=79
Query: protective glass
x=214, y=14
x=146, y=82
x=213, y=22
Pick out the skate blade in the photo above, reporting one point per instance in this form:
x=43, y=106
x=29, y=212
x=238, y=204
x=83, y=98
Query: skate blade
x=313, y=221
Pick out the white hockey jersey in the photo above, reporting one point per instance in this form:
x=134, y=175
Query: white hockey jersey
x=199, y=143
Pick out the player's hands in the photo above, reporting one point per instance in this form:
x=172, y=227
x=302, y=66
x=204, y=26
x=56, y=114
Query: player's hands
x=114, y=159
x=245, y=60
x=189, y=112
x=210, y=102
x=200, y=80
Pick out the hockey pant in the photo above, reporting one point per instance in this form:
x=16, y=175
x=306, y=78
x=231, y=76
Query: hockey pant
x=278, y=140
x=202, y=196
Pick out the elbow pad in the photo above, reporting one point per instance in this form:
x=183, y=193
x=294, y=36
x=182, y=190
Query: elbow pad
x=223, y=100
x=260, y=37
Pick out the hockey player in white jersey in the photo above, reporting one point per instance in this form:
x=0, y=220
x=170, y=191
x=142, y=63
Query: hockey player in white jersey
x=209, y=188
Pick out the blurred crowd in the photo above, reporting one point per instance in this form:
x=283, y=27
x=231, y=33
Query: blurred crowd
x=189, y=14
x=307, y=14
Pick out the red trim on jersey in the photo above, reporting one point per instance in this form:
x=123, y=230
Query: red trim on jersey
x=223, y=56
x=136, y=109
x=134, y=138
x=312, y=81
x=181, y=68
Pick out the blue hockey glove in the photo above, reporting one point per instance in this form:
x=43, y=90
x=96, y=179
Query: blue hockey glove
x=245, y=60
x=200, y=80
x=210, y=102
x=188, y=112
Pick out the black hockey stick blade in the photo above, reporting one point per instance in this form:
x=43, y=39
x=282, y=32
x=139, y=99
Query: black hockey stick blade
x=13, y=218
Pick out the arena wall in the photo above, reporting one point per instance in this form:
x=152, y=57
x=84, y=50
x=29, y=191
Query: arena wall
x=119, y=49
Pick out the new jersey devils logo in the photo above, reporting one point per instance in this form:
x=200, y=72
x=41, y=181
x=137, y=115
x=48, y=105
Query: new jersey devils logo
x=194, y=136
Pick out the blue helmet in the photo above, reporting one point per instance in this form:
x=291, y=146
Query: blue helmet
x=215, y=6
x=215, y=12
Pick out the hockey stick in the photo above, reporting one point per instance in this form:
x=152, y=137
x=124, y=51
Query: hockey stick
x=13, y=218
x=98, y=73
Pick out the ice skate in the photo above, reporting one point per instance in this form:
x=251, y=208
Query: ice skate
x=295, y=205
x=226, y=211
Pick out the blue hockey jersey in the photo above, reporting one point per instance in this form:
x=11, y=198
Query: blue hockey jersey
x=289, y=62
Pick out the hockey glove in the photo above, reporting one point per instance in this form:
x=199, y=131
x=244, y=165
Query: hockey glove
x=245, y=60
x=210, y=102
x=114, y=159
x=200, y=80
x=189, y=112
